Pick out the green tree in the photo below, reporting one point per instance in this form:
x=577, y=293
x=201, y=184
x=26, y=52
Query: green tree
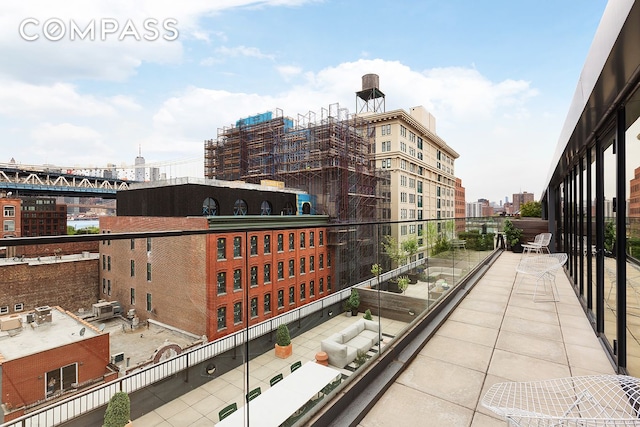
x=531, y=209
x=393, y=250
x=410, y=247
x=118, y=411
x=403, y=283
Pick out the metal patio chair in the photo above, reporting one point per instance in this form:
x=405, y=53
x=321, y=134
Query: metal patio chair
x=586, y=401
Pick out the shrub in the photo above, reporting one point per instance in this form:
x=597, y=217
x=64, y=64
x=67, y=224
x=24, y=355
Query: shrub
x=283, y=338
x=354, y=299
x=531, y=209
x=118, y=411
x=367, y=314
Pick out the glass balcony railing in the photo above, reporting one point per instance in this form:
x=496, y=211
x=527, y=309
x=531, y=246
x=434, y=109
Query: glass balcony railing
x=160, y=313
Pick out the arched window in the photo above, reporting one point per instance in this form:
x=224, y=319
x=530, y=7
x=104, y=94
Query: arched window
x=306, y=208
x=289, y=209
x=240, y=207
x=209, y=207
x=265, y=208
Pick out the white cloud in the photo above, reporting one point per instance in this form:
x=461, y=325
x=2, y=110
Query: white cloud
x=236, y=51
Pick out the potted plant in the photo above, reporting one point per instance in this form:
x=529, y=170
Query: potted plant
x=118, y=411
x=367, y=315
x=346, y=308
x=513, y=236
x=354, y=301
x=403, y=283
x=283, y=346
x=361, y=358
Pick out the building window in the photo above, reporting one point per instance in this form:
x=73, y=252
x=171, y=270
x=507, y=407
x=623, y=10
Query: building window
x=148, y=244
x=321, y=238
x=312, y=239
x=9, y=225
x=302, y=266
x=321, y=285
x=148, y=272
x=267, y=303
x=222, y=318
x=240, y=208
x=281, y=298
x=386, y=146
x=292, y=243
x=9, y=211
x=237, y=280
x=329, y=283
x=280, y=270
x=292, y=268
x=280, y=243
x=385, y=130
x=302, y=240
x=265, y=208
x=254, y=276
x=18, y=307
x=109, y=287
x=133, y=244
x=237, y=312
x=109, y=262
x=267, y=273
x=133, y=268
x=222, y=248
x=312, y=263
x=237, y=247
x=303, y=291
x=328, y=260
x=4, y=309
x=312, y=289
x=104, y=262
x=104, y=285
x=149, y=308
x=292, y=295
x=222, y=283
x=321, y=262
x=267, y=244
x=386, y=163
x=254, y=307
x=254, y=245
x=133, y=296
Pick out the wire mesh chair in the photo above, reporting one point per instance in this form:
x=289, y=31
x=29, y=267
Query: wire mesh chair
x=540, y=243
x=587, y=401
x=542, y=268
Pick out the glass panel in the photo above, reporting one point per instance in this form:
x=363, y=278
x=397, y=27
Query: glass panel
x=632, y=191
x=610, y=297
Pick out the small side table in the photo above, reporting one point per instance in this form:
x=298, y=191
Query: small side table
x=322, y=358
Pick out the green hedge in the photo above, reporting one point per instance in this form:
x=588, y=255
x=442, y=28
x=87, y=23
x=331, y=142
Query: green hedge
x=476, y=241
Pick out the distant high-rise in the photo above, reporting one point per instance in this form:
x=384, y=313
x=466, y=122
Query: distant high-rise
x=520, y=199
x=139, y=166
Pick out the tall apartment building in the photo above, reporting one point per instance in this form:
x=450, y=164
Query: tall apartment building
x=520, y=199
x=416, y=170
x=634, y=204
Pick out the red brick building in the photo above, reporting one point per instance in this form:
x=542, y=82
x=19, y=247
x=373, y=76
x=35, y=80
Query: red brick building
x=198, y=283
x=460, y=203
x=47, y=354
x=10, y=221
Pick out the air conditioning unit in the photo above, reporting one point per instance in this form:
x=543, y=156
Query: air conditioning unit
x=31, y=317
x=117, y=358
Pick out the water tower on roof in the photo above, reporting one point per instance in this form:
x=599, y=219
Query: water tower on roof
x=370, y=99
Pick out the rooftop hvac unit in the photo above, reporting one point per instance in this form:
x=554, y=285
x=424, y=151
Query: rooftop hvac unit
x=118, y=357
x=10, y=322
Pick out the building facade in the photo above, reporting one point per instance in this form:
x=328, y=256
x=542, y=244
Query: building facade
x=227, y=276
x=417, y=170
x=42, y=216
x=47, y=354
x=460, y=206
x=520, y=199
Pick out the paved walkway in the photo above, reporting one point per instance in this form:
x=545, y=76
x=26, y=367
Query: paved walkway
x=494, y=335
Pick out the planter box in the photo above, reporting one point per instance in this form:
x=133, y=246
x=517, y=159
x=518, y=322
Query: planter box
x=284, y=351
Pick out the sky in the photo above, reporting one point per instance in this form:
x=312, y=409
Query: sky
x=84, y=84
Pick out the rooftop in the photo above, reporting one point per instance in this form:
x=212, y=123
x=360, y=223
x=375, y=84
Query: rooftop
x=31, y=337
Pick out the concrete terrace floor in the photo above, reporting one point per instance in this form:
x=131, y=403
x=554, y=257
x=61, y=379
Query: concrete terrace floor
x=494, y=335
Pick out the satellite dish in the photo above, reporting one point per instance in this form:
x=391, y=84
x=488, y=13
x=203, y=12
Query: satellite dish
x=82, y=331
x=101, y=327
